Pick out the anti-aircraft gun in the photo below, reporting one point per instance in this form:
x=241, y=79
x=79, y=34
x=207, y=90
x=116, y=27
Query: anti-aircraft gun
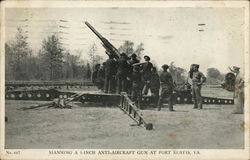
x=110, y=49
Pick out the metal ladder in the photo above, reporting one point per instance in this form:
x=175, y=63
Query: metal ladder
x=132, y=111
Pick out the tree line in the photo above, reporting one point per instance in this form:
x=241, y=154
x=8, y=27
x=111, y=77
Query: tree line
x=54, y=62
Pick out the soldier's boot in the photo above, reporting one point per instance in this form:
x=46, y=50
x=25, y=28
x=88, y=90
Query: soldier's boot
x=200, y=106
x=200, y=103
x=195, y=104
x=159, y=104
x=171, y=108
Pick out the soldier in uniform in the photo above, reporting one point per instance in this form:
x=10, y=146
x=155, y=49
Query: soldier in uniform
x=167, y=87
x=155, y=84
x=198, y=79
x=238, y=91
x=122, y=73
x=133, y=60
x=136, y=85
x=101, y=76
x=95, y=79
x=110, y=72
x=146, y=73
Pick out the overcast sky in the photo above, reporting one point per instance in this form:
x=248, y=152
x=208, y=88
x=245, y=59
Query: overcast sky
x=168, y=34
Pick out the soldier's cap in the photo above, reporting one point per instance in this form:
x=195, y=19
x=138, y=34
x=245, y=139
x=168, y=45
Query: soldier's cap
x=165, y=66
x=104, y=63
x=133, y=55
x=123, y=54
x=196, y=65
x=147, y=57
x=236, y=68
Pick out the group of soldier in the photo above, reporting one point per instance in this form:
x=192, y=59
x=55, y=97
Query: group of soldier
x=127, y=74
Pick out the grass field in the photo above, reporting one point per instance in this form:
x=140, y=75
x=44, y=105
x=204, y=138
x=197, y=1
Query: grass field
x=88, y=126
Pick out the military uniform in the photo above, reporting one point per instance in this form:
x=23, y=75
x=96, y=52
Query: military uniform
x=197, y=79
x=130, y=72
x=122, y=73
x=239, y=94
x=95, y=78
x=101, y=76
x=146, y=72
x=155, y=85
x=167, y=87
x=136, y=87
x=110, y=72
x=238, y=91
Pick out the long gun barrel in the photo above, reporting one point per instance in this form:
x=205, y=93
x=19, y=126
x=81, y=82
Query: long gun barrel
x=110, y=49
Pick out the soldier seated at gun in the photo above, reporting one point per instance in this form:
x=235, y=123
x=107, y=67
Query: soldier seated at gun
x=136, y=86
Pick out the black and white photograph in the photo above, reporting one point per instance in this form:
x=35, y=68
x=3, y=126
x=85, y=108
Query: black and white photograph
x=125, y=77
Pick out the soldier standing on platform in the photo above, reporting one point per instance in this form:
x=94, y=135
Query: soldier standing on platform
x=198, y=79
x=101, y=75
x=146, y=73
x=238, y=91
x=155, y=84
x=133, y=60
x=167, y=87
x=136, y=78
x=94, y=78
x=110, y=72
x=122, y=73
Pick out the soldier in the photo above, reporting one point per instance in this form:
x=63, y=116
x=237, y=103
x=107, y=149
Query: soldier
x=198, y=79
x=238, y=91
x=101, y=75
x=95, y=79
x=167, y=87
x=155, y=84
x=146, y=72
x=122, y=73
x=110, y=72
x=133, y=60
x=136, y=85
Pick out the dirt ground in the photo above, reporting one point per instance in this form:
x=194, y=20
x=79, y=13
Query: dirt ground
x=86, y=126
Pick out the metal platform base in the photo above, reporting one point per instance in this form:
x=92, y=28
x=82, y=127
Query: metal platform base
x=97, y=97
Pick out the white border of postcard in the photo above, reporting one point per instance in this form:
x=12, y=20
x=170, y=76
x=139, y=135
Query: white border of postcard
x=203, y=153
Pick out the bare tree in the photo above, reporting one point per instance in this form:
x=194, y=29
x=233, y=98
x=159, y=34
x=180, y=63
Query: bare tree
x=139, y=50
x=128, y=49
x=17, y=57
x=177, y=73
x=52, y=56
x=94, y=57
